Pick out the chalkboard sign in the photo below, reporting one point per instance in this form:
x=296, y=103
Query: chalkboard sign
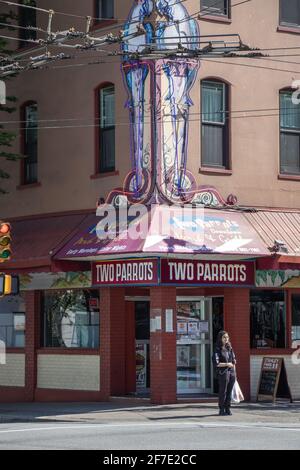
x=273, y=380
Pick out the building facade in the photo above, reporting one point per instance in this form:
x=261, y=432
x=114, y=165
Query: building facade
x=71, y=335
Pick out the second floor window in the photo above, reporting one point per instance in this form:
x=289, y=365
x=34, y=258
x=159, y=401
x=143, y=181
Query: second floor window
x=30, y=143
x=104, y=9
x=289, y=134
x=290, y=12
x=215, y=7
x=214, y=107
x=27, y=19
x=107, y=129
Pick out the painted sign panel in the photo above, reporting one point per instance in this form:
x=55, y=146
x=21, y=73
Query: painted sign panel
x=129, y=271
x=162, y=229
x=202, y=272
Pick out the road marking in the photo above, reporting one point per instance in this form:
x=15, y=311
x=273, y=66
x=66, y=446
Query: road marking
x=81, y=427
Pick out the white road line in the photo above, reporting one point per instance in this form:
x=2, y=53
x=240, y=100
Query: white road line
x=81, y=427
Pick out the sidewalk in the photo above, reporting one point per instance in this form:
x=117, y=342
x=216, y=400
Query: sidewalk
x=121, y=412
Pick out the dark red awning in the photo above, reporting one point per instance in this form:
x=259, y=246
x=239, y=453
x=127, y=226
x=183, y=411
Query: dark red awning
x=167, y=231
x=36, y=239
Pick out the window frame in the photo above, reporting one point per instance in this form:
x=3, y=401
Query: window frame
x=284, y=23
x=24, y=107
x=98, y=24
x=287, y=131
x=208, y=11
x=43, y=325
x=266, y=349
x=226, y=125
x=98, y=117
x=23, y=37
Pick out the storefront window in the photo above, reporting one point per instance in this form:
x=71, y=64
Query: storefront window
x=194, y=338
x=268, y=319
x=295, y=321
x=71, y=319
x=12, y=321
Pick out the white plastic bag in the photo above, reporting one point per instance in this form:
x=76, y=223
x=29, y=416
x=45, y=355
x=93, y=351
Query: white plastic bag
x=237, y=395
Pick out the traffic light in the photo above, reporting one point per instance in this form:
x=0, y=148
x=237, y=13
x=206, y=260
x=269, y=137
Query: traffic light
x=5, y=241
x=9, y=285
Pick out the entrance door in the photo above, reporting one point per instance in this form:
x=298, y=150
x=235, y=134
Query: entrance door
x=142, y=345
x=194, y=345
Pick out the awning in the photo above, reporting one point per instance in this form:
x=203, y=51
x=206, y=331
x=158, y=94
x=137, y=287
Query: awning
x=279, y=230
x=35, y=240
x=169, y=231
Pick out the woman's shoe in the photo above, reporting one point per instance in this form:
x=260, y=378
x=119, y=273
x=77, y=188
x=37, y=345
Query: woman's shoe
x=228, y=412
x=222, y=412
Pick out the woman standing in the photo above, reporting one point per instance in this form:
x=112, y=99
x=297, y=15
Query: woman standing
x=224, y=361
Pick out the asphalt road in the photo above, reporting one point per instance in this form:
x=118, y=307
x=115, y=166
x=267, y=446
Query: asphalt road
x=164, y=435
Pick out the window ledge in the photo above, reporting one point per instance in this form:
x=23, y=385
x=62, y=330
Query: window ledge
x=214, y=171
x=216, y=19
x=272, y=352
x=104, y=175
x=289, y=177
x=103, y=24
x=29, y=186
x=79, y=351
x=289, y=29
x=15, y=350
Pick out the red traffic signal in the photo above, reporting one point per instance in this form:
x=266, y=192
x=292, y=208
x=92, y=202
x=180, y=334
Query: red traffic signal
x=5, y=241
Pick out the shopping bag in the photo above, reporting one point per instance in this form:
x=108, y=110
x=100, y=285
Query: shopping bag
x=237, y=395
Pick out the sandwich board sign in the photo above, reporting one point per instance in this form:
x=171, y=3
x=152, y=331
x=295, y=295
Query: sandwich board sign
x=273, y=381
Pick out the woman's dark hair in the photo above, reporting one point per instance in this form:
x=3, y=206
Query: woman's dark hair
x=219, y=342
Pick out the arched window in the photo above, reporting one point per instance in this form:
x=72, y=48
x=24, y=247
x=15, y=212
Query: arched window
x=106, y=128
x=214, y=124
x=27, y=17
x=289, y=132
x=29, y=113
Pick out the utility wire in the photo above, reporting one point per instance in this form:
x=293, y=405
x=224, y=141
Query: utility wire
x=127, y=123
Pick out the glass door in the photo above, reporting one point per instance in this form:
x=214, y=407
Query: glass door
x=194, y=345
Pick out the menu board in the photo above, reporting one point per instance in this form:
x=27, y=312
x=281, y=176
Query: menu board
x=273, y=380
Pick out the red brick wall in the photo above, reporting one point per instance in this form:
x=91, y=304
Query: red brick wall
x=105, y=300
x=237, y=323
x=112, y=341
x=32, y=342
x=163, y=349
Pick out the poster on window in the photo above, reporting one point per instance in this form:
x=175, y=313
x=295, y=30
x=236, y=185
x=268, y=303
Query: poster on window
x=183, y=356
x=19, y=322
x=141, y=365
x=193, y=328
x=182, y=328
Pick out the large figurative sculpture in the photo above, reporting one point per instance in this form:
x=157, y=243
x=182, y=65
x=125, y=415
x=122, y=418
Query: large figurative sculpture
x=159, y=26
x=160, y=44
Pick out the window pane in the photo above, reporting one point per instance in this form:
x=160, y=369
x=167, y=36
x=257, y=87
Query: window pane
x=12, y=321
x=215, y=7
x=107, y=146
x=268, y=319
x=290, y=12
x=289, y=112
x=295, y=320
x=213, y=152
x=213, y=102
x=31, y=144
x=105, y=8
x=107, y=129
x=27, y=17
x=290, y=153
x=70, y=319
x=107, y=112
